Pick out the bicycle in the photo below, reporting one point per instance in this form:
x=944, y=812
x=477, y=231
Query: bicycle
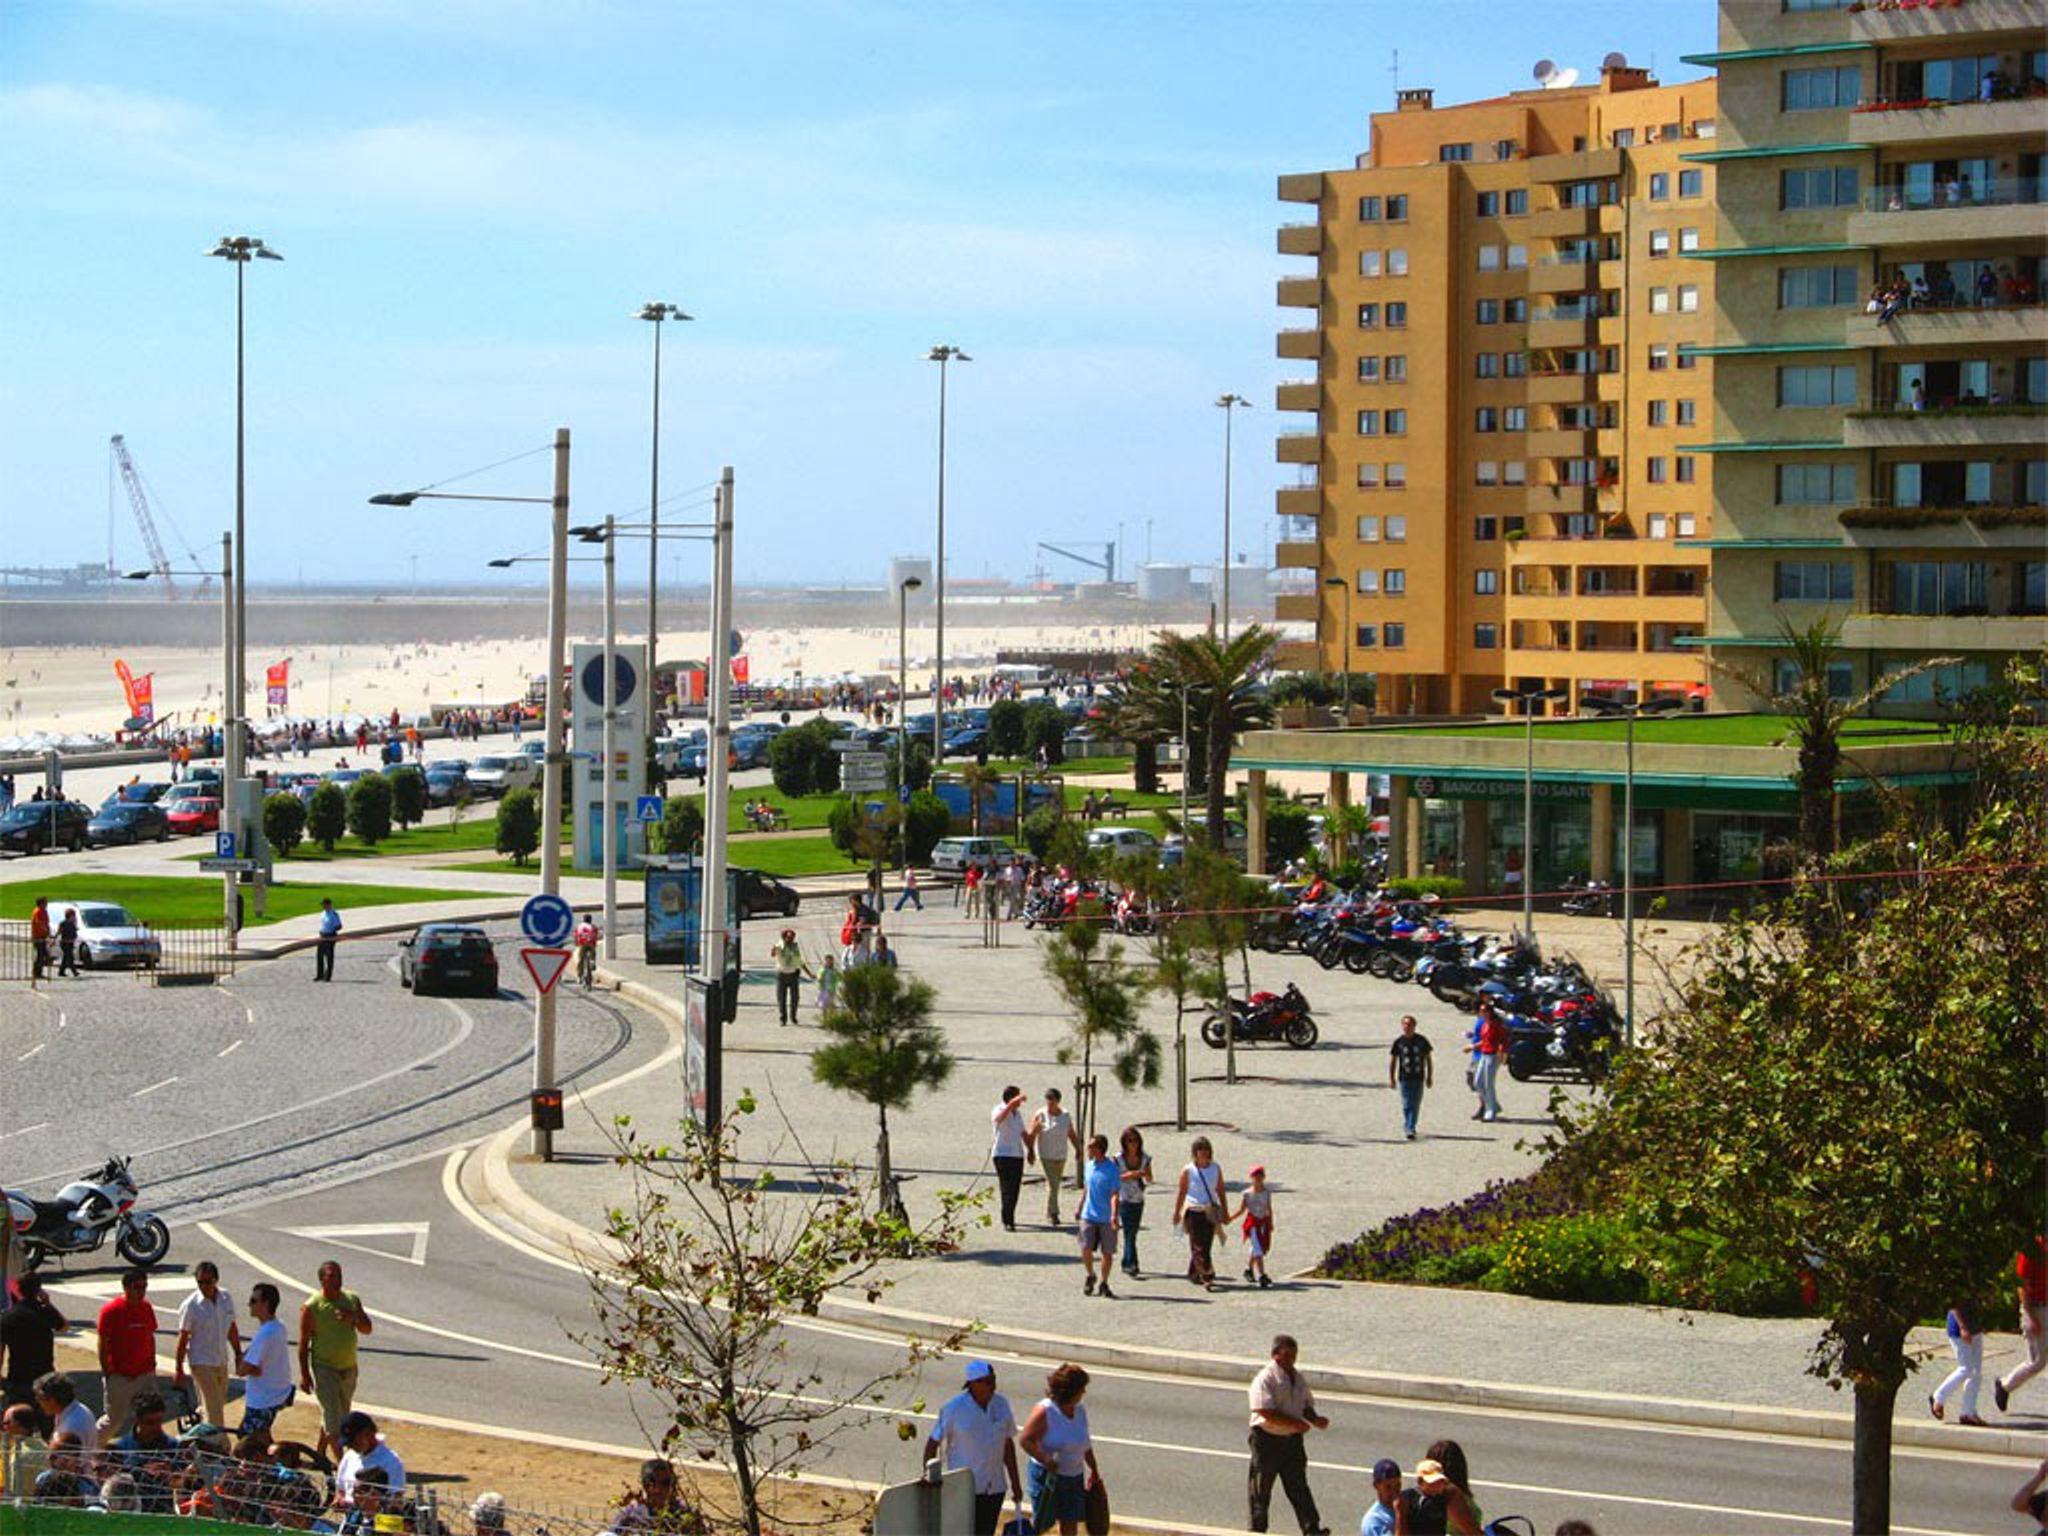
x=586, y=964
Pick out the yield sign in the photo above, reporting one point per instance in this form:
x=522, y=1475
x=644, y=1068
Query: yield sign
x=357, y=1237
x=545, y=966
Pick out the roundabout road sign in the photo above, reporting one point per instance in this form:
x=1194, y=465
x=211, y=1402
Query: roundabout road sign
x=546, y=920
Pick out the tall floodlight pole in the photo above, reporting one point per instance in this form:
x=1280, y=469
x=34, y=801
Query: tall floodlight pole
x=1631, y=710
x=1230, y=406
x=944, y=355
x=609, y=778
x=239, y=250
x=718, y=740
x=1527, y=700
x=659, y=314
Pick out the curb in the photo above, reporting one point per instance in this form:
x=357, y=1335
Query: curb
x=570, y=1240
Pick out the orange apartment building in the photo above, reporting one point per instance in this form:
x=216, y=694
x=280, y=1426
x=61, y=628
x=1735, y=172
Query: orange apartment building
x=1498, y=382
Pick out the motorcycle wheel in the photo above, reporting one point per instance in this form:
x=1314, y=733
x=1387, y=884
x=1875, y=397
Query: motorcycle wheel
x=1215, y=1032
x=144, y=1243
x=1521, y=1067
x=1399, y=969
x=1328, y=956
x=1301, y=1034
x=1376, y=963
x=1359, y=962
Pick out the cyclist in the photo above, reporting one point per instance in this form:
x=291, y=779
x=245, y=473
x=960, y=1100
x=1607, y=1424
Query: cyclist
x=586, y=937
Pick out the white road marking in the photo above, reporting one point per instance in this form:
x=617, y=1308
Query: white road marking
x=229, y=1051
x=152, y=1088
x=24, y=1056
x=40, y=1125
x=339, y=1237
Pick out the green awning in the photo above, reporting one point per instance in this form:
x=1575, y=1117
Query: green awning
x=1738, y=55
x=1760, y=349
x=1776, y=151
x=1816, y=447
x=1731, y=252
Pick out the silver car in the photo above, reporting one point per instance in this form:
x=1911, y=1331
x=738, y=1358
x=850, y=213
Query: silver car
x=108, y=934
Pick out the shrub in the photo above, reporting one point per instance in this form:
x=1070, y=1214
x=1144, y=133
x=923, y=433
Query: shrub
x=802, y=761
x=369, y=809
x=1287, y=831
x=682, y=825
x=1584, y=1257
x=1395, y=1248
x=518, y=825
x=1006, y=728
x=920, y=762
x=327, y=815
x=284, y=822
x=408, y=795
x=1045, y=726
x=926, y=819
x=1414, y=887
x=1039, y=829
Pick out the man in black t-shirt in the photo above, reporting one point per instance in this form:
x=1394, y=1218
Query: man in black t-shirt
x=28, y=1338
x=1410, y=1070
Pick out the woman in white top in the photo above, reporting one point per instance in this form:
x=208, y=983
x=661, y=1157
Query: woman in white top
x=1056, y=1439
x=1197, y=1207
x=1134, y=1164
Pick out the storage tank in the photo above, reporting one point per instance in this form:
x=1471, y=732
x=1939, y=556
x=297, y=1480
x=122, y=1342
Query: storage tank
x=1165, y=584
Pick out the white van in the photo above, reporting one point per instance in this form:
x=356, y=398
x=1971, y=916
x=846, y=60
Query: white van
x=956, y=853
x=496, y=775
x=1122, y=841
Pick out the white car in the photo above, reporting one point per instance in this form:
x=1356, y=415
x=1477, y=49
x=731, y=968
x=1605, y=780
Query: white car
x=956, y=853
x=496, y=776
x=108, y=934
x=1123, y=840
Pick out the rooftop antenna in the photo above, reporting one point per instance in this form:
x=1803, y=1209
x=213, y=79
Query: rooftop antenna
x=1394, y=69
x=1551, y=78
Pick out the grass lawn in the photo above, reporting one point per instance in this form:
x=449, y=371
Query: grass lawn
x=171, y=902
x=1703, y=730
x=772, y=855
x=476, y=833
x=1071, y=765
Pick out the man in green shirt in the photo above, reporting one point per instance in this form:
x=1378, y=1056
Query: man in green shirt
x=329, y=1324
x=790, y=969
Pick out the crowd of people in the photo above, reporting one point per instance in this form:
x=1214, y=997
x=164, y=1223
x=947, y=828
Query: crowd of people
x=1991, y=286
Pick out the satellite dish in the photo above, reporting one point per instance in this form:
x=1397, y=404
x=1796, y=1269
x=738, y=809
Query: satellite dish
x=1563, y=80
x=1544, y=69
x=1614, y=61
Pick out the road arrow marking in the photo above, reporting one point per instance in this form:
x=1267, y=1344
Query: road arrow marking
x=341, y=1237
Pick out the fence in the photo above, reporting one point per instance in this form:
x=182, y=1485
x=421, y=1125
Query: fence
x=164, y=957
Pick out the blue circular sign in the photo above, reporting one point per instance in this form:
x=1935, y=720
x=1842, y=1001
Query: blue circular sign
x=546, y=920
x=625, y=679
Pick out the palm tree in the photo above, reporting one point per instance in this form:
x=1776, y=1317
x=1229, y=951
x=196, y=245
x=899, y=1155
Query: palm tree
x=1216, y=678
x=1089, y=971
x=1816, y=717
x=884, y=1048
x=980, y=781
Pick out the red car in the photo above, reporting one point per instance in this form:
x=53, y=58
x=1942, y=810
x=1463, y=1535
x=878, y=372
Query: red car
x=190, y=817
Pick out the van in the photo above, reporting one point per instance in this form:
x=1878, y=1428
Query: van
x=1122, y=841
x=956, y=853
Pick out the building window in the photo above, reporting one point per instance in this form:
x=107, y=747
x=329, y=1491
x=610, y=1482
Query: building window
x=1370, y=263
x=1815, y=484
x=1514, y=418
x=1397, y=208
x=1368, y=370
x=1397, y=527
x=1518, y=257
x=1485, y=529
x=1485, y=637
x=1486, y=419
x=1660, y=243
x=1489, y=205
x=1397, y=263
x=1506, y=149
x=1513, y=365
x=1368, y=582
x=1397, y=480
x=1691, y=183
x=1368, y=210
x=1813, y=581
x=1688, y=298
x=1686, y=523
x=1785, y=677
x=1486, y=365
x=1368, y=423
x=1487, y=311
x=1827, y=186
x=1397, y=369
x=1515, y=311
x=1489, y=258
x=1624, y=138
x=1654, y=469
x=1936, y=587
x=1368, y=480
x=1687, y=468
x=1397, y=315
x=1816, y=287
x=1368, y=316
x=1513, y=472
x=1688, y=239
x=1823, y=386
x=1448, y=153
x=1659, y=409
x=1660, y=525
x=1368, y=636
x=1660, y=355
x=1688, y=413
x=1369, y=527
x=1815, y=90
x=1486, y=472
x=1660, y=301
x=1687, y=358
x=1397, y=423
x=1396, y=581
x=1486, y=583
x=1517, y=200
x=1396, y=636
x=1660, y=186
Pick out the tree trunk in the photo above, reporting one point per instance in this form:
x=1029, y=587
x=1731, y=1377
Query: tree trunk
x=1870, y=1498
x=742, y=1462
x=1145, y=767
x=882, y=1169
x=1219, y=774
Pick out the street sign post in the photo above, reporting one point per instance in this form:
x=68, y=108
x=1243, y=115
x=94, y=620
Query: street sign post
x=546, y=920
x=864, y=772
x=230, y=866
x=545, y=966
x=648, y=807
x=223, y=845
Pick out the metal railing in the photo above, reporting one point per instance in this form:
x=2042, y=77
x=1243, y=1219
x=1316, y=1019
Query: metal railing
x=1959, y=196
x=193, y=956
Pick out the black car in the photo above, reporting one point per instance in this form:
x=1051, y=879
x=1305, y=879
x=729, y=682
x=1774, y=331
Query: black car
x=41, y=826
x=762, y=895
x=134, y=794
x=127, y=821
x=448, y=957
x=447, y=783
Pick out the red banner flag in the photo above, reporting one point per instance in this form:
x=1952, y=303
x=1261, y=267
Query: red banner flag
x=277, y=678
x=136, y=691
x=740, y=670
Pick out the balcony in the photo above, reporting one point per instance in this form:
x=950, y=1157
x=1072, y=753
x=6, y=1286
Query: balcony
x=1928, y=633
x=1297, y=395
x=1963, y=426
x=1880, y=525
x=1301, y=187
x=1561, y=388
x=1586, y=165
x=1563, y=328
x=1298, y=501
x=2022, y=121
x=1998, y=211
x=1300, y=239
x=1296, y=607
x=1565, y=223
x=1297, y=656
x=1300, y=341
x=1927, y=23
x=1295, y=555
x=1996, y=325
x=1298, y=448
x=1299, y=292
x=1559, y=498
x=1565, y=272
x=1561, y=443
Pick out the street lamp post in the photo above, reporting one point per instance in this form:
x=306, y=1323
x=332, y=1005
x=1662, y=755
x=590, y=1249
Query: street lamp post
x=1230, y=406
x=904, y=588
x=608, y=778
x=1526, y=700
x=240, y=250
x=718, y=740
x=659, y=314
x=543, y=1143
x=1345, y=650
x=943, y=354
x=1630, y=711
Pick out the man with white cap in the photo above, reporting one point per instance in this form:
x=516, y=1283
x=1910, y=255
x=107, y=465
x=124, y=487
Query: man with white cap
x=979, y=1433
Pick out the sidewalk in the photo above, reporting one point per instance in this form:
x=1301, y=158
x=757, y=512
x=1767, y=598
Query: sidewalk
x=1326, y=1125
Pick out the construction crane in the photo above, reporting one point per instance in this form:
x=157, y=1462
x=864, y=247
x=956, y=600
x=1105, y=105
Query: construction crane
x=138, y=501
x=1106, y=564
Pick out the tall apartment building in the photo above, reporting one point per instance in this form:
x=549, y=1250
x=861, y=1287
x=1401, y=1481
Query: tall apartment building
x=1509, y=360
x=1884, y=470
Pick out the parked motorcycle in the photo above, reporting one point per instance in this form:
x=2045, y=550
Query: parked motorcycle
x=1587, y=898
x=1263, y=1018
x=82, y=1215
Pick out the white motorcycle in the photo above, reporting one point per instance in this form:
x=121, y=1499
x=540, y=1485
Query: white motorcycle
x=82, y=1215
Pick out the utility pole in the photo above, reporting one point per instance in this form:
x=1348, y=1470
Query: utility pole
x=718, y=739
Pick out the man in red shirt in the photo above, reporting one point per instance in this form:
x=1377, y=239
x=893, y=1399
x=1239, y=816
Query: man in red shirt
x=127, y=1349
x=2031, y=1266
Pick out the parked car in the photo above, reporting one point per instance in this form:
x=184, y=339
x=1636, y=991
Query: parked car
x=750, y=751
x=190, y=817
x=448, y=957
x=109, y=934
x=1122, y=840
x=670, y=751
x=43, y=826
x=135, y=794
x=127, y=821
x=690, y=762
x=966, y=742
x=447, y=782
x=536, y=748
x=188, y=790
x=761, y=894
x=1233, y=833
x=492, y=777
x=956, y=853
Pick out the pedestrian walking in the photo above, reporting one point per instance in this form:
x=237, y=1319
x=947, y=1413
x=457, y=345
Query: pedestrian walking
x=1410, y=1070
x=266, y=1365
x=2032, y=1499
x=67, y=943
x=1014, y=880
x=39, y=940
x=2030, y=1265
x=1096, y=1212
x=28, y=1341
x=1257, y=1211
x=209, y=1342
x=976, y=1431
x=1199, y=1211
x=1134, y=1166
x=323, y=947
x=1490, y=1044
x=1382, y=1515
x=1441, y=1502
x=828, y=980
x=127, y=1349
x=790, y=970
x=1063, y=1467
x=330, y=1322
x=1283, y=1411
x=1012, y=1147
x=909, y=894
x=1966, y=1338
x=1051, y=1137
x=972, y=880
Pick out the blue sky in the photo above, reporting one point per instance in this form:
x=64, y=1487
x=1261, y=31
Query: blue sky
x=474, y=199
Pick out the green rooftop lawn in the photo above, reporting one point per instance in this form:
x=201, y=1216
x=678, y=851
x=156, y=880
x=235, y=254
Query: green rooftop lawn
x=1705, y=730
x=172, y=902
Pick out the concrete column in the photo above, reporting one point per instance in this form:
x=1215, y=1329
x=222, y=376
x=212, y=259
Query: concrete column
x=1472, y=845
x=1400, y=814
x=1255, y=821
x=1678, y=852
x=1604, y=796
x=1335, y=804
